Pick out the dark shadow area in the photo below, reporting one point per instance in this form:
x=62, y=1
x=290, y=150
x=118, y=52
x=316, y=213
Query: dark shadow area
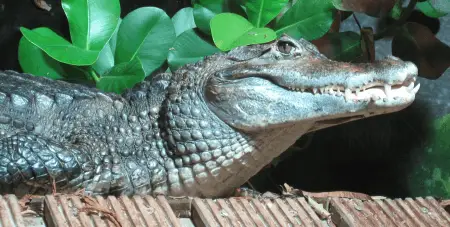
x=416, y=16
x=432, y=23
x=16, y=14
x=372, y=156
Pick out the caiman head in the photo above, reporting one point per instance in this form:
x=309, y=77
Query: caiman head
x=261, y=98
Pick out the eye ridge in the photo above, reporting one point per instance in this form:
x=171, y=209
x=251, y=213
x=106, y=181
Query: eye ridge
x=285, y=47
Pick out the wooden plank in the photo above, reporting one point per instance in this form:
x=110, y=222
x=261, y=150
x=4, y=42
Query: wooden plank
x=52, y=215
x=119, y=211
x=240, y=211
x=168, y=211
x=273, y=208
x=217, y=212
x=133, y=214
x=147, y=211
x=14, y=207
x=204, y=213
x=252, y=213
x=265, y=213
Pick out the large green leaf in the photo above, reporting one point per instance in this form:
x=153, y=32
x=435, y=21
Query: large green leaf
x=434, y=8
x=306, y=19
x=58, y=48
x=230, y=30
x=189, y=48
x=105, y=60
x=113, y=41
x=147, y=33
x=122, y=76
x=35, y=61
x=91, y=22
x=261, y=12
x=204, y=11
x=183, y=20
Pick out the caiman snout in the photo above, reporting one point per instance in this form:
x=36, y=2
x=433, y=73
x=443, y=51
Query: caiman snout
x=390, y=78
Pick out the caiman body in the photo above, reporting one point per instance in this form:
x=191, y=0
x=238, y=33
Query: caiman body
x=201, y=131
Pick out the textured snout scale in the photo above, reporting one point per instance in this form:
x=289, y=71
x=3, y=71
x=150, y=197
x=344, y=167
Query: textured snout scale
x=201, y=131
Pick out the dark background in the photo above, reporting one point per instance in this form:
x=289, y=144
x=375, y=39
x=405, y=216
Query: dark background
x=372, y=156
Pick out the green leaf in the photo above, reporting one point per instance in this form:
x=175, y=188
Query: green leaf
x=350, y=46
x=205, y=11
x=113, y=41
x=230, y=30
x=122, y=76
x=306, y=19
x=434, y=9
x=396, y=11
x=35, y=61
x=147, y=33
x=77, y=74
x=105, y=60
x=189, y=48
x=261, y=12
x=183, y=20
x=58, y=48
x=91, y=22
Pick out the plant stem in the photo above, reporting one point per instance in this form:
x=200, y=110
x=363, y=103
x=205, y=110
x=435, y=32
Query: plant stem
x=94, y=75
x=405, y=15
x=357, y=21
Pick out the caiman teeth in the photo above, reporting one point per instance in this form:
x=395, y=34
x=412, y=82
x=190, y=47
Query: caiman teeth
x=371, y=90
x=348, y=93
x=387, y=90
x=411, y=86
x=416, y=89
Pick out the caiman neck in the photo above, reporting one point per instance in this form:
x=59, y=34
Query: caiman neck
x=208, y=154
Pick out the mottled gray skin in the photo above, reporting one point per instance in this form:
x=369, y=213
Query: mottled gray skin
x=202, y=131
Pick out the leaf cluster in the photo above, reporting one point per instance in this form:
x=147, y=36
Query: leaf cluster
x=111, y=52
x=115, y=53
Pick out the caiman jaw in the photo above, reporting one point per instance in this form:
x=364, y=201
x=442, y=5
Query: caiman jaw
x=372, y=91
x=302, y=87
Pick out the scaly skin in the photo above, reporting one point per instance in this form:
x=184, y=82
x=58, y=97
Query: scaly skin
x=202, y=131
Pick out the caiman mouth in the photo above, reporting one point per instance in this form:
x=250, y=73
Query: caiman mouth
x=370, y=91
x=385, y=79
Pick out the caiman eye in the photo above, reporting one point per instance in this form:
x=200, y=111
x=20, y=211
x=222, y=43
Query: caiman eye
x=285, y=47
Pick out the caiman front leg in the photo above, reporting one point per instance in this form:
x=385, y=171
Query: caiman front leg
x=30, y=164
